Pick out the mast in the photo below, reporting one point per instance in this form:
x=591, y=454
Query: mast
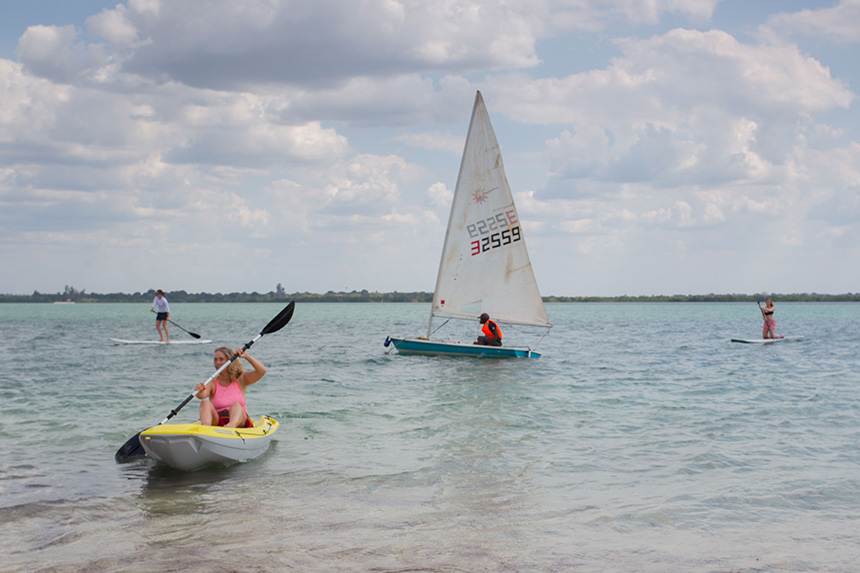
x=457, y=190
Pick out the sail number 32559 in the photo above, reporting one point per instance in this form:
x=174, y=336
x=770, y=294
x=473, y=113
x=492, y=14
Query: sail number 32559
x=486, y=239
x=496, y=240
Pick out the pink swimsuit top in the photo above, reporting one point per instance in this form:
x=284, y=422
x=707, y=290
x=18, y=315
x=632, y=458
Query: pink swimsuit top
x=225, y=396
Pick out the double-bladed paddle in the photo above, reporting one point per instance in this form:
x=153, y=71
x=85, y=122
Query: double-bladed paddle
x=133, y=449
x=194, y=334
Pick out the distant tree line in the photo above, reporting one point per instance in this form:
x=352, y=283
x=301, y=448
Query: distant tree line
x=71, y=294
x=797, y=297
x=279, y=295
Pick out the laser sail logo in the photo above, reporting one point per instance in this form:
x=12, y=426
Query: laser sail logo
x=479, y=195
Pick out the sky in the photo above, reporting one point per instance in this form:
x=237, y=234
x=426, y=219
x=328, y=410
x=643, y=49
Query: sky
x=654, y=147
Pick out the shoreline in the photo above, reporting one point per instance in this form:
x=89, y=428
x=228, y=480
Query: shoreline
x=398, y=297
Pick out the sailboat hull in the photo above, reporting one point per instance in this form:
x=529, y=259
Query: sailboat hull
x=435, y=348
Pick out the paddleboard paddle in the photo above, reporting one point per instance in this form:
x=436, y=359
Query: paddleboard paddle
x=194, y=334
x=133, y=449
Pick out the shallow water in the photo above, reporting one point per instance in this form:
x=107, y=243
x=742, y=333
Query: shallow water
x=642, y=440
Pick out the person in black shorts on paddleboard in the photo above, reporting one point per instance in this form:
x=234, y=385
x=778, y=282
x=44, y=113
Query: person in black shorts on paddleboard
x=160, y=306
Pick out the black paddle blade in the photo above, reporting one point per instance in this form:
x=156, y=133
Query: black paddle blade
x=281, y=320
x=194, y=334
x=130, y=450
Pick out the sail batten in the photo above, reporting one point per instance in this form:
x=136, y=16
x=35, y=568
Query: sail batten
x=485, y=266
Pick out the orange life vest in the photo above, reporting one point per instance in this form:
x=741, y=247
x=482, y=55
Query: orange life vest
x=489, y=333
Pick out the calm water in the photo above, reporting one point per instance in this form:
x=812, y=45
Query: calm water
x=643, y=440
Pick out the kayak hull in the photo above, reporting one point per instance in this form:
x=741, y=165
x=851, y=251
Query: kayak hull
x=426, y=347
x=189, y=447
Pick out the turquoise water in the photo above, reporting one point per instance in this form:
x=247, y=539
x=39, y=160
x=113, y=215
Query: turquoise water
x=642, y=440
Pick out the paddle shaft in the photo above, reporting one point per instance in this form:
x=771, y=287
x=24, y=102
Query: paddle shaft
x=194, y=334
x=274, y=325
x=764, y=317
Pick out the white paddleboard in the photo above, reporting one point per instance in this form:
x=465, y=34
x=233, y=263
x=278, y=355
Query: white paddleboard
x=198, y=341
x=758, y=340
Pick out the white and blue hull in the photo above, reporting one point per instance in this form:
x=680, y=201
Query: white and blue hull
x=434, y=348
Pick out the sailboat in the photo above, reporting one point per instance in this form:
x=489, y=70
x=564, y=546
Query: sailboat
x=485, y=266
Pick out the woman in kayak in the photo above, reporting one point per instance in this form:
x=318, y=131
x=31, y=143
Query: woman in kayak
x=226, y=403
x=768, y=329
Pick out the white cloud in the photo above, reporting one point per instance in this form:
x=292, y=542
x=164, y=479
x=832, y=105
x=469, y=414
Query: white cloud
x=439, y=195
x=839, y=23
x=598, y=16
x=686, y=110
x=56, y=53
x=114, y=26
x=230, y=45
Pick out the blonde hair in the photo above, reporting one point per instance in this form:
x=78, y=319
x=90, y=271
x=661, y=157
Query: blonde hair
x=235, y=369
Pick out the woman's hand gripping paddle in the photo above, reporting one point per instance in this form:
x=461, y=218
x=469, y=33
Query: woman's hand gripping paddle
x=764, y=317
x=133, y=449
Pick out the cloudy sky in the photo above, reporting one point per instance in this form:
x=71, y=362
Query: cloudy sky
x=653, y=146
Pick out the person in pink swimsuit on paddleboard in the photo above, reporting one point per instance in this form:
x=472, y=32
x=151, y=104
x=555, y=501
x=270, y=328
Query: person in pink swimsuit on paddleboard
x=768, y=329
x=226, y=393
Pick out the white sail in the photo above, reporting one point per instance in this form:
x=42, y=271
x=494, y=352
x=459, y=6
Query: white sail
x=485, y=265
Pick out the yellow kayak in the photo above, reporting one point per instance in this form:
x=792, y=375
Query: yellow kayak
x=192, y=446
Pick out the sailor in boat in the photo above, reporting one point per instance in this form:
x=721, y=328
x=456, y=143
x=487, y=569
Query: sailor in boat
x=768, y=329
x=491, y=333
x=226, y=393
